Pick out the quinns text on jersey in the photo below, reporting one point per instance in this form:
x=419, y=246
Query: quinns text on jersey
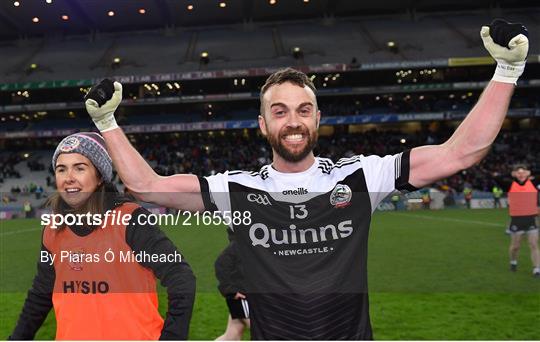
x=261, y=235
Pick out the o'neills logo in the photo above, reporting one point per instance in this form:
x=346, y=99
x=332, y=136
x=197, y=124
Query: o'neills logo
x=261, y=235
x=85, y=287
x=299, y=191
x=341, y=196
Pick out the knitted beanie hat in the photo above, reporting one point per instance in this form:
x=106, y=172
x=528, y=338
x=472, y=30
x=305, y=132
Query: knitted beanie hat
x=92, y=146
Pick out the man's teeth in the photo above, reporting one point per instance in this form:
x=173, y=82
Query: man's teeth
x=293, y=137
x=73, y=190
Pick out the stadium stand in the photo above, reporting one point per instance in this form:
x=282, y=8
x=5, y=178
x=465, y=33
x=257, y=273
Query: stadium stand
x=204, y=153
x=348, y=39
x=257, y=45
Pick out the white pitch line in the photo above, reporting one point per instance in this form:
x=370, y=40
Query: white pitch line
x=19, y=231
x=452, y=220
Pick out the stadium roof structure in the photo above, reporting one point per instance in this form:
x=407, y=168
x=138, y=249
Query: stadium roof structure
x=22, y=18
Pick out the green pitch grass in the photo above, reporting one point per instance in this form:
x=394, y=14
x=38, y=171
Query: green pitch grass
x=432, y=275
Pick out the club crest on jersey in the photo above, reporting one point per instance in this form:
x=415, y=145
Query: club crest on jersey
x=341, y=196
x=70, y=144
x=75, y=259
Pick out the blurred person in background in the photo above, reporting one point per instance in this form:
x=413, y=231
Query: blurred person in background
x=27, y=208
x=426, y=199
x=395, y=201
x=467, y=194
x=497, y=194
x=523, y=209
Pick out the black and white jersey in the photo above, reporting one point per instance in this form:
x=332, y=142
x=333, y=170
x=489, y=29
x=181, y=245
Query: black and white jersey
x=303, y=242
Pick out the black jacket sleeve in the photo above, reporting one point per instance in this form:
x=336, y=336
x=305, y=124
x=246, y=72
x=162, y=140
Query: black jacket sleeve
x=228, y=271
x=38, y=302
x=176, y=277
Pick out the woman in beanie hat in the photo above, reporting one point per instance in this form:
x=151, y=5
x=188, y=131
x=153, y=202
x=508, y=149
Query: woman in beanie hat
x=100, y=276
x=84, y=189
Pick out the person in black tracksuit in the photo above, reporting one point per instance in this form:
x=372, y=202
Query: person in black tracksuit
x=228, y=270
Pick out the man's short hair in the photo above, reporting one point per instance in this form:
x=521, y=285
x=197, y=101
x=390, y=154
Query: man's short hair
x=520, y=166
x=286, y=75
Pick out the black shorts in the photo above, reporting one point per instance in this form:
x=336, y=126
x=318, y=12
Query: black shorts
x=238, y=308
x=522, y=224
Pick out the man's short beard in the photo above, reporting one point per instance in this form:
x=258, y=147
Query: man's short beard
x=287, y=155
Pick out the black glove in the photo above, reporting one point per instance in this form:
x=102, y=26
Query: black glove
x=101, y=92
x=502, y=31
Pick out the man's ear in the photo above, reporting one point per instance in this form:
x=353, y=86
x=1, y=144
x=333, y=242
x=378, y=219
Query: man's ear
x=528, y=173
x=262, y=125
x=318, y=118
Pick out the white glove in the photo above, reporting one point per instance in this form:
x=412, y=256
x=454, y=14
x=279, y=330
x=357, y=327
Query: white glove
x=510, y=59
x=103, y=116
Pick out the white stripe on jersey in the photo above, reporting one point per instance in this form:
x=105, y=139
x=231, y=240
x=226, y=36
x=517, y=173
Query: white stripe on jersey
x=398, y=165
x=380, y=174
x=245, y=307
x=314, y=180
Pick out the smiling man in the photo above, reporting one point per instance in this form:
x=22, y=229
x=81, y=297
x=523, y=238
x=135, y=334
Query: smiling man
x=301, y=224
x=289, y=94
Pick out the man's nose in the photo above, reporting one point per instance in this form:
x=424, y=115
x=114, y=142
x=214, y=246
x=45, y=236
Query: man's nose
x=293, y=121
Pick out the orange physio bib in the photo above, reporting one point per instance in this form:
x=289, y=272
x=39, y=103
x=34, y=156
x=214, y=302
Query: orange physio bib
x=97, y=298
x=523, y=199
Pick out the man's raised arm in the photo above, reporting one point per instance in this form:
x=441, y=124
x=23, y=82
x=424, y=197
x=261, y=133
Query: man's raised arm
x=508, y=45
x=178, y=191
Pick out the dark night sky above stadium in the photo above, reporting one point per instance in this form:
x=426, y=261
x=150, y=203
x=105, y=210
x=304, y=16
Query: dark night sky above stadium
x=20, y=18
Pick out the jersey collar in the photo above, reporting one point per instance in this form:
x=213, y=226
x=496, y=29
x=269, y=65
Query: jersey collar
x=275, y=173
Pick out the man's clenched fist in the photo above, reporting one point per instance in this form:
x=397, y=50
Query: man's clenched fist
x=101, y=102
x=508, y=44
